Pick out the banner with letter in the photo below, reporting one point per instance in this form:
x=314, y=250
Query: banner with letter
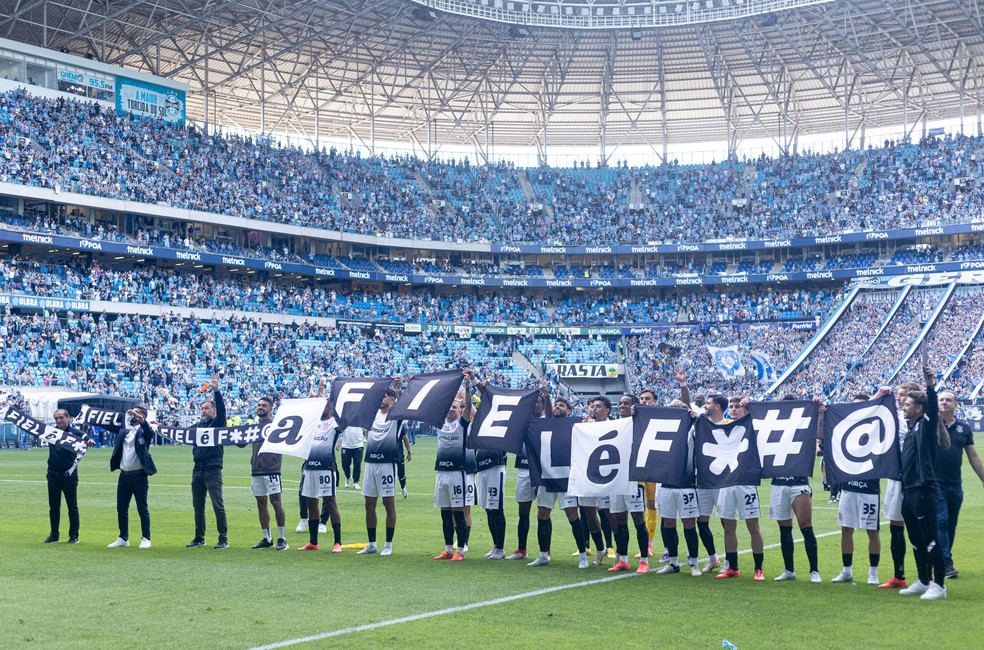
x=786, y=436
x=110, y=420
x=725, y=453
x=293, y=427
x=428, y=398
x=502, y=419
x=45, y=433
x=661, y=446
x=548, y=448
x=600, y=455
x=356, y=401
x=861, y=441
x=212, y=436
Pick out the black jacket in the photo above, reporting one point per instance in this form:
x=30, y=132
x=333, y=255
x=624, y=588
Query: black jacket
x=60, y=460
x=919, y=448
x=211, y=456
x=141, y=445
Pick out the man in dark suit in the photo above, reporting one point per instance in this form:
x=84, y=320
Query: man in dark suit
x=63, y=479
x=206, y=476
x=131, y=455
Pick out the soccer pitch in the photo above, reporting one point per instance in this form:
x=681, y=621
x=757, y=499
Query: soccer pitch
x=171, y=597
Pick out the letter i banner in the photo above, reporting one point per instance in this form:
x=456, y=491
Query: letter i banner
x=502, y=419
x=356, y=401
x=428, y=398
x=600, y=455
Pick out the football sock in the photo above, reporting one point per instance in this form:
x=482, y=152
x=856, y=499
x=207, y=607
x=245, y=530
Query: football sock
x=810, y=544
x=898, y=550
x=706, y=536
x=758, y=558
x=786, y=545
x=523, y=530
x=642, y=536
x=447, y=525
x=544, y=531
x=578, y=535
x=313, y=530
x=693, y=546
x=336, y=529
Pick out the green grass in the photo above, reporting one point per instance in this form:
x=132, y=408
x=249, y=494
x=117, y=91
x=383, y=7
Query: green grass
x=171, y=597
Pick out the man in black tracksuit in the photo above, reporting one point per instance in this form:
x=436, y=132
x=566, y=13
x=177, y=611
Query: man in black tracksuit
x=63, y=479
x=920, y=492
x=206, y=476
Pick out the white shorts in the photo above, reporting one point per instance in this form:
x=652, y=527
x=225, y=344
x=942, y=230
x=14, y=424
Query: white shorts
x=601, y=503
x=738, y=502
x=524, y=487
x=893, y=500
x=546, y=499
x=491, y=484
x=781, y=501
x=630, y=502
x=453, y=490
x=379, y=480
x=678, y=503
x=264, y=486
x=317, y=484
x=706, y=500
x=858, y=511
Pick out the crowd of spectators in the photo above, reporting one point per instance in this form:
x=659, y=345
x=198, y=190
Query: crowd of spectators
x=83, y=147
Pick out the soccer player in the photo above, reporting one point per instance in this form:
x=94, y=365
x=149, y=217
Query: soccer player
x=451, y=493
x=737, y=502
x=647, y=397
x=524, y=488
x=491, y=483
x=948, y=474
x=623, y=504
x=545, y=502
x=920, y=493
x=63, y=478
x=265, y=482
x=707, y=498
x=858, y=510
x=681, y=502
x=792, y=495
x=319, y=479
x=598, y=410
x=206, y=475
x=382, y=448
x=352, y=441
x=892, y=507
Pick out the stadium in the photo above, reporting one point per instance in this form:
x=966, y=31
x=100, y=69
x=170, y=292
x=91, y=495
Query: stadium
x=774, y=197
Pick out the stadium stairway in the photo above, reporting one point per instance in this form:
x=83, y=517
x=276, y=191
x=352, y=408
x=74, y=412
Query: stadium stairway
x=924, y=332
x=822, y=332
x=524, y=362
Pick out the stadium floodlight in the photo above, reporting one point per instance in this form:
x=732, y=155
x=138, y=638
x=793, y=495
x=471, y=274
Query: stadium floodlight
x=617, y=14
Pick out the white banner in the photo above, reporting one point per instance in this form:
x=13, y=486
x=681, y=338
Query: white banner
x=727, y=361
x=585, y=370
x=601, y=454
x=293, y=427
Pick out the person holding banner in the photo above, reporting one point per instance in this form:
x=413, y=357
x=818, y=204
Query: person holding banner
x=131, y=455
x=920, y=490
x=706, y=497
x=206, y=475
x=599, y=409
x=382, y=448
x=623, y=504
x=319, y=480
x=524, y=488
x=63, y=479
x=265, y=482
x=892, y=507
x=737, y=502
x=452, y=493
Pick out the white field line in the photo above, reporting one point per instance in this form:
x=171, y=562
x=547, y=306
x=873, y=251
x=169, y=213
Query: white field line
x=485, y=603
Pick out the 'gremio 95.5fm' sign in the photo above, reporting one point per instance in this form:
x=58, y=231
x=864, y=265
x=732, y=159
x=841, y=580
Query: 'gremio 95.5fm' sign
x=150, y=100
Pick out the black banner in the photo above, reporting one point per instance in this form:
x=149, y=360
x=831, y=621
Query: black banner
x=355, y=401
x=114, y=421
x=861, y=441
x=725, y=454
x=212, y=437
x=502, y=419
x=428, y=398
x=548, y=447
x=786, y=437
x=661, y=446
x=45, y=433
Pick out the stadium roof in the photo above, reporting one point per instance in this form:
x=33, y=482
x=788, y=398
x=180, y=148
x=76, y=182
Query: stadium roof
x=384, y=71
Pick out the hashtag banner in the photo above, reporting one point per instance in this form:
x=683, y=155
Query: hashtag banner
x=212, y=437
x=786, y=437
x=725, y=454
x=48, y=435
x=861, y=441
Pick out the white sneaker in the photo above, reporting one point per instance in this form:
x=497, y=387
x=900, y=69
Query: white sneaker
x=600, y=556
x=844, y=576
x=935, y=592
x=915, y=589
x=498, y=555
x=368, y=550
x=322, y=528
x=489, y=554
x=301, y=526
x=518, y=555
x=347, y=483
x=711, y=565
x=815, y=577
x=668, y=568
x=386, y=552
x=118, y=543
x=355, y=486
x=464, y=549
x=144, y=543
x=404, y=490
x=583, y=562
x=694, y=571
x=785, y=575
x=873, y=579
x=540, y=561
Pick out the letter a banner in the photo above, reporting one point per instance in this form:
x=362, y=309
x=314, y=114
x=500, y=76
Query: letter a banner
x=502, y=419
x=600, y=455
x=293, y=427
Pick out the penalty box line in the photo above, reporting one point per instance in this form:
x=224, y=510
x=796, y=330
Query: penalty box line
x=485, y=603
